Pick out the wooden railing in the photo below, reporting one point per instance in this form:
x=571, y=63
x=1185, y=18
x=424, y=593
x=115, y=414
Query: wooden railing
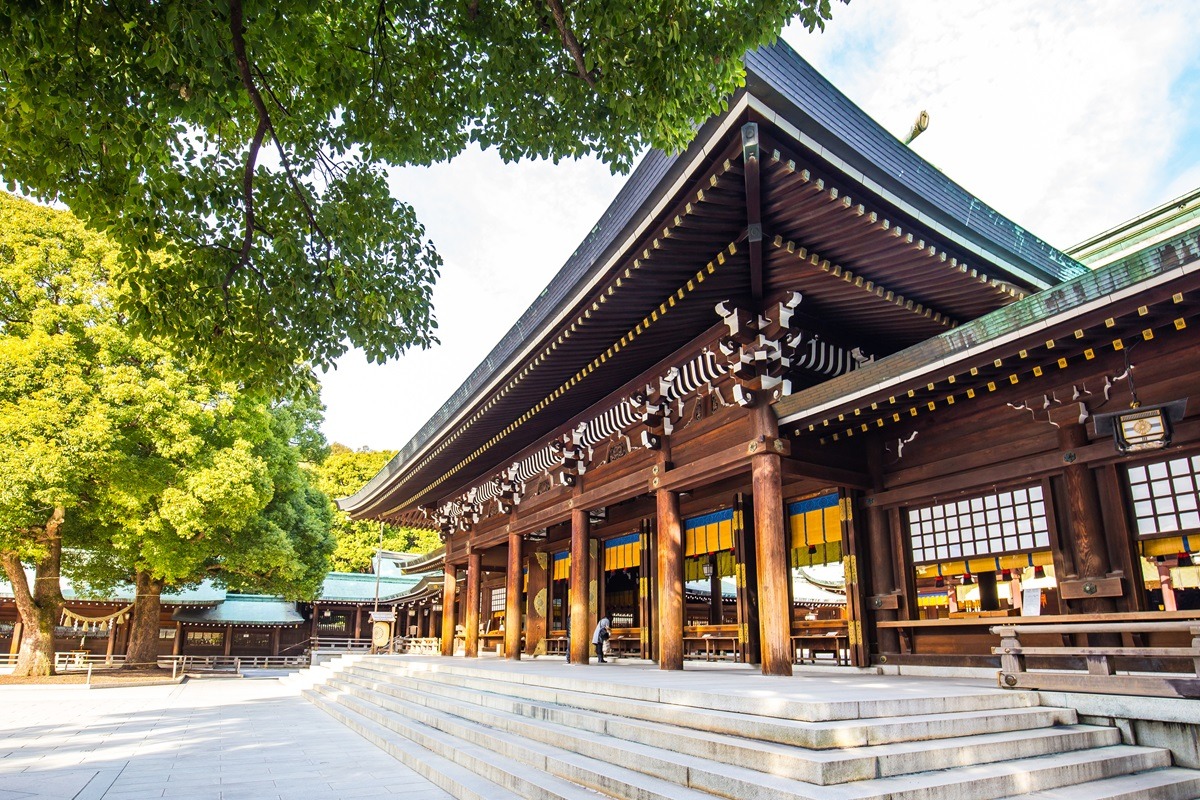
x=1101, y=660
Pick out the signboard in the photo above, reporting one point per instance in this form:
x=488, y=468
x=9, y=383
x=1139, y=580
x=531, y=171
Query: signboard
x=383, y=616
x=1031, y=601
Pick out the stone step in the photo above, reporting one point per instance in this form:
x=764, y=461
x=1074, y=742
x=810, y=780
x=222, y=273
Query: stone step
x=531, y=770
x=458, y=780
x=318, y=673
x=559, y=725
x=815, y=709
x=520, y=740
x=1170, y=783
x=813, y=735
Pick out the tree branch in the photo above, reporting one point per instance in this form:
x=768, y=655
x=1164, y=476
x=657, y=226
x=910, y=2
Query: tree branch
x=569, y=41
x=237, y=31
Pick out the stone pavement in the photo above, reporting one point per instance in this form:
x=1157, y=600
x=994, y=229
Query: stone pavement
x=210, y=739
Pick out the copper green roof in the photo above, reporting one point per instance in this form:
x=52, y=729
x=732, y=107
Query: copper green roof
x=244, y=609
x=353, y=587
x=202, y=594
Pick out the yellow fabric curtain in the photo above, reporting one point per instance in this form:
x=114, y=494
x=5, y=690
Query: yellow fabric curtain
x=624, y=552
x=710, y=533
x=562, y=567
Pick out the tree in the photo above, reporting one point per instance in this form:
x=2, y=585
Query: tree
x=249, y=143
x=224, y=499
x=341, y=474
x=56, y=426
x=137, y=466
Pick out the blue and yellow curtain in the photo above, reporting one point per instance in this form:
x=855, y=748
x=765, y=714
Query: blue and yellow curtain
x=816, y=527
x=560, y=566
x=623, y=552
x=710, y=533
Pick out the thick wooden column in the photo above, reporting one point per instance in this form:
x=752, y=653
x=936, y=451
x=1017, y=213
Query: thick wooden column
x=1085, y=537
x=228, y=639
x=449, y=590
x=512, y=598
x=471, y=621
x=177, y=646
x=275, y=641
x=747, y=580
x=646, y=615
x=537, y=602
x=358, y=622
x=770, y=547
x=884, y=600
x=581, y=633
x=112, y=643
x=670, y=575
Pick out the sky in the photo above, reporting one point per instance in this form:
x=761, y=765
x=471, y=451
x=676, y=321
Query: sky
x=1067, y=117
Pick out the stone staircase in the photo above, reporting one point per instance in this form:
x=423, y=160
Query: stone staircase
x=491, y=734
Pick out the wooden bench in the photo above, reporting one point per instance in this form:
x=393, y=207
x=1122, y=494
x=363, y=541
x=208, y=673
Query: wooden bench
x=835, y=642
x=712, y=642
x=1101, y=676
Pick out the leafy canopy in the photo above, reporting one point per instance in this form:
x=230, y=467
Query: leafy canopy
x=248, y=142
x=341, y=474
x=158, y=469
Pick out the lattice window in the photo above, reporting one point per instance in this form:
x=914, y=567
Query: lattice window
x=1006, y=522
x=1165, y=496
x=498, y=598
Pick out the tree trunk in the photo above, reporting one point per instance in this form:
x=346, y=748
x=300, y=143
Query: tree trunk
x=41, y=606
x=143, y=625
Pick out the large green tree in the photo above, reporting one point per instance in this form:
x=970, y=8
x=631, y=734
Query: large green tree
x=249, y=141
x=341, y=474
x=119, y=455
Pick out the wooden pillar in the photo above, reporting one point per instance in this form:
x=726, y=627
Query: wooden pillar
x=581, y=634
x=358, y=621
x=316, y=613
x=538, y=604
x=512, y=598
x=747, y=580
x=715, y=599
x=228, y=639
x=275, y=641
x=112, y=642
x=449, y=590
x=1085, y=537
x=646, y=592
x=771, y=548
x=177, y=647
x=471, y=621
x=15, y=646
x=884, y=600
x=670, y=574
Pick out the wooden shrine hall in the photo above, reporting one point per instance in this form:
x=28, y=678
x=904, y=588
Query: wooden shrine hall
x=798, y=355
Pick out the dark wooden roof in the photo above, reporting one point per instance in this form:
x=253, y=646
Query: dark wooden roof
x=880, y=265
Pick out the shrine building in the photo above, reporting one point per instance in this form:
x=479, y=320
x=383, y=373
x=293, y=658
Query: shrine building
x=799, y=395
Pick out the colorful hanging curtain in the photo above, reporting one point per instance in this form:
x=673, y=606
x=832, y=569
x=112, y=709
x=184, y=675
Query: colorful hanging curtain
x=710, y=533
x=623, y=552
x=562, y=566
x=816, y=528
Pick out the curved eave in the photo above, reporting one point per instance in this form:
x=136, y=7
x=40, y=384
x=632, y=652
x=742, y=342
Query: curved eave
x=458, y=445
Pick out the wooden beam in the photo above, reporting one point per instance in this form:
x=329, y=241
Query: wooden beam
x=832, y=476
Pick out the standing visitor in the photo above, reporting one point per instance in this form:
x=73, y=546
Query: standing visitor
x=600, y=636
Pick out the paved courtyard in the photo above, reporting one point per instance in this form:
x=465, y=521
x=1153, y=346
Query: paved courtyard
x=216, y=739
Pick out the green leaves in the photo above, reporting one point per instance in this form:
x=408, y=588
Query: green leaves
x=160, y=469
x=261, y=259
